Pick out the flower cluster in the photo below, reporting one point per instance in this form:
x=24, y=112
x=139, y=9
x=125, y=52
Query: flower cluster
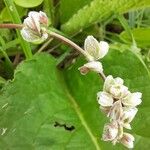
x=119, y=104
x=34, y=29
x=96, y=50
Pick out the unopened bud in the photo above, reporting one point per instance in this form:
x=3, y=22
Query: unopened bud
x=115, y=87
x=116, y=111
x=110, y=131
x=34, y=30
x=127, y=140
x=95, y=66
x=128, y=116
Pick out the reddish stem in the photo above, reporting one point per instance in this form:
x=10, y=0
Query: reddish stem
x=11, y=26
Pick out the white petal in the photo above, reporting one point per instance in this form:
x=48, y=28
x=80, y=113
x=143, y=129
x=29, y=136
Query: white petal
x=91, y=46
x=118, y=80
x=104, y=99
x=103, y=49
x=115, y=87
x=95, y=66
x=34, y=18
x=129, y=114
x=127, y=140
x=118, y=91
x=43, y=18
x=132, y=99
x=108, y=83
x=110, y=131
x=29, y=36
x=116, y=111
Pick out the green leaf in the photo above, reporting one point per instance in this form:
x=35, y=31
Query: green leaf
x=141, y=36
x=41, y=109
x=28, y=3
x=37, y=111
x=67, y=12
x=100, y=10
x=16, y=19
x=5, y=16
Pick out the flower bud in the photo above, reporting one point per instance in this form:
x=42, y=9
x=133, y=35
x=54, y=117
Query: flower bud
x=132, y=99
x=128, y=116
x=34, y=27
x=104, y=99
x=116, y=111
x=110, y=131
x=127, y=140
x=95, y=66
x=115, y=87
x=94, y=48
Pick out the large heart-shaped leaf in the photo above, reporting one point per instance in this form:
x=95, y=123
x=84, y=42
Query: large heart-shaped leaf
x=41, y=109
x=37, y=111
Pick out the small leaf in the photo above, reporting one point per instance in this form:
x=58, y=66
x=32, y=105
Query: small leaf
x=28, y=3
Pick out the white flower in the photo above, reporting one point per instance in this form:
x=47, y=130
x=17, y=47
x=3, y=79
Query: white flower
x=115, y=87
x=110, y=131
x=95, y=66
x=104, y=99
x=127, y=140
x=132, y=99
x=128, y=116
x=34, y=27
x=116, y=111
x=119, y=104
x=94, y=48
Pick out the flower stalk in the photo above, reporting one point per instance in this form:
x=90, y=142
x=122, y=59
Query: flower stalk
x=11, y=26
x=70, y=43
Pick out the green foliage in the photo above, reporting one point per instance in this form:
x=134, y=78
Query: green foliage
x=100, y=10
x=67, y=12
x=43, y=108
x=38, y=113
x=16, y=19
x=141, y=36
x=28, y=3
x=5, y=16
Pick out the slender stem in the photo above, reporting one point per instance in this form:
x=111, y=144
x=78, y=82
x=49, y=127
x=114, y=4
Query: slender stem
x=102, y=75
x=70, y=43
x=45, y=45
x=11, y=26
